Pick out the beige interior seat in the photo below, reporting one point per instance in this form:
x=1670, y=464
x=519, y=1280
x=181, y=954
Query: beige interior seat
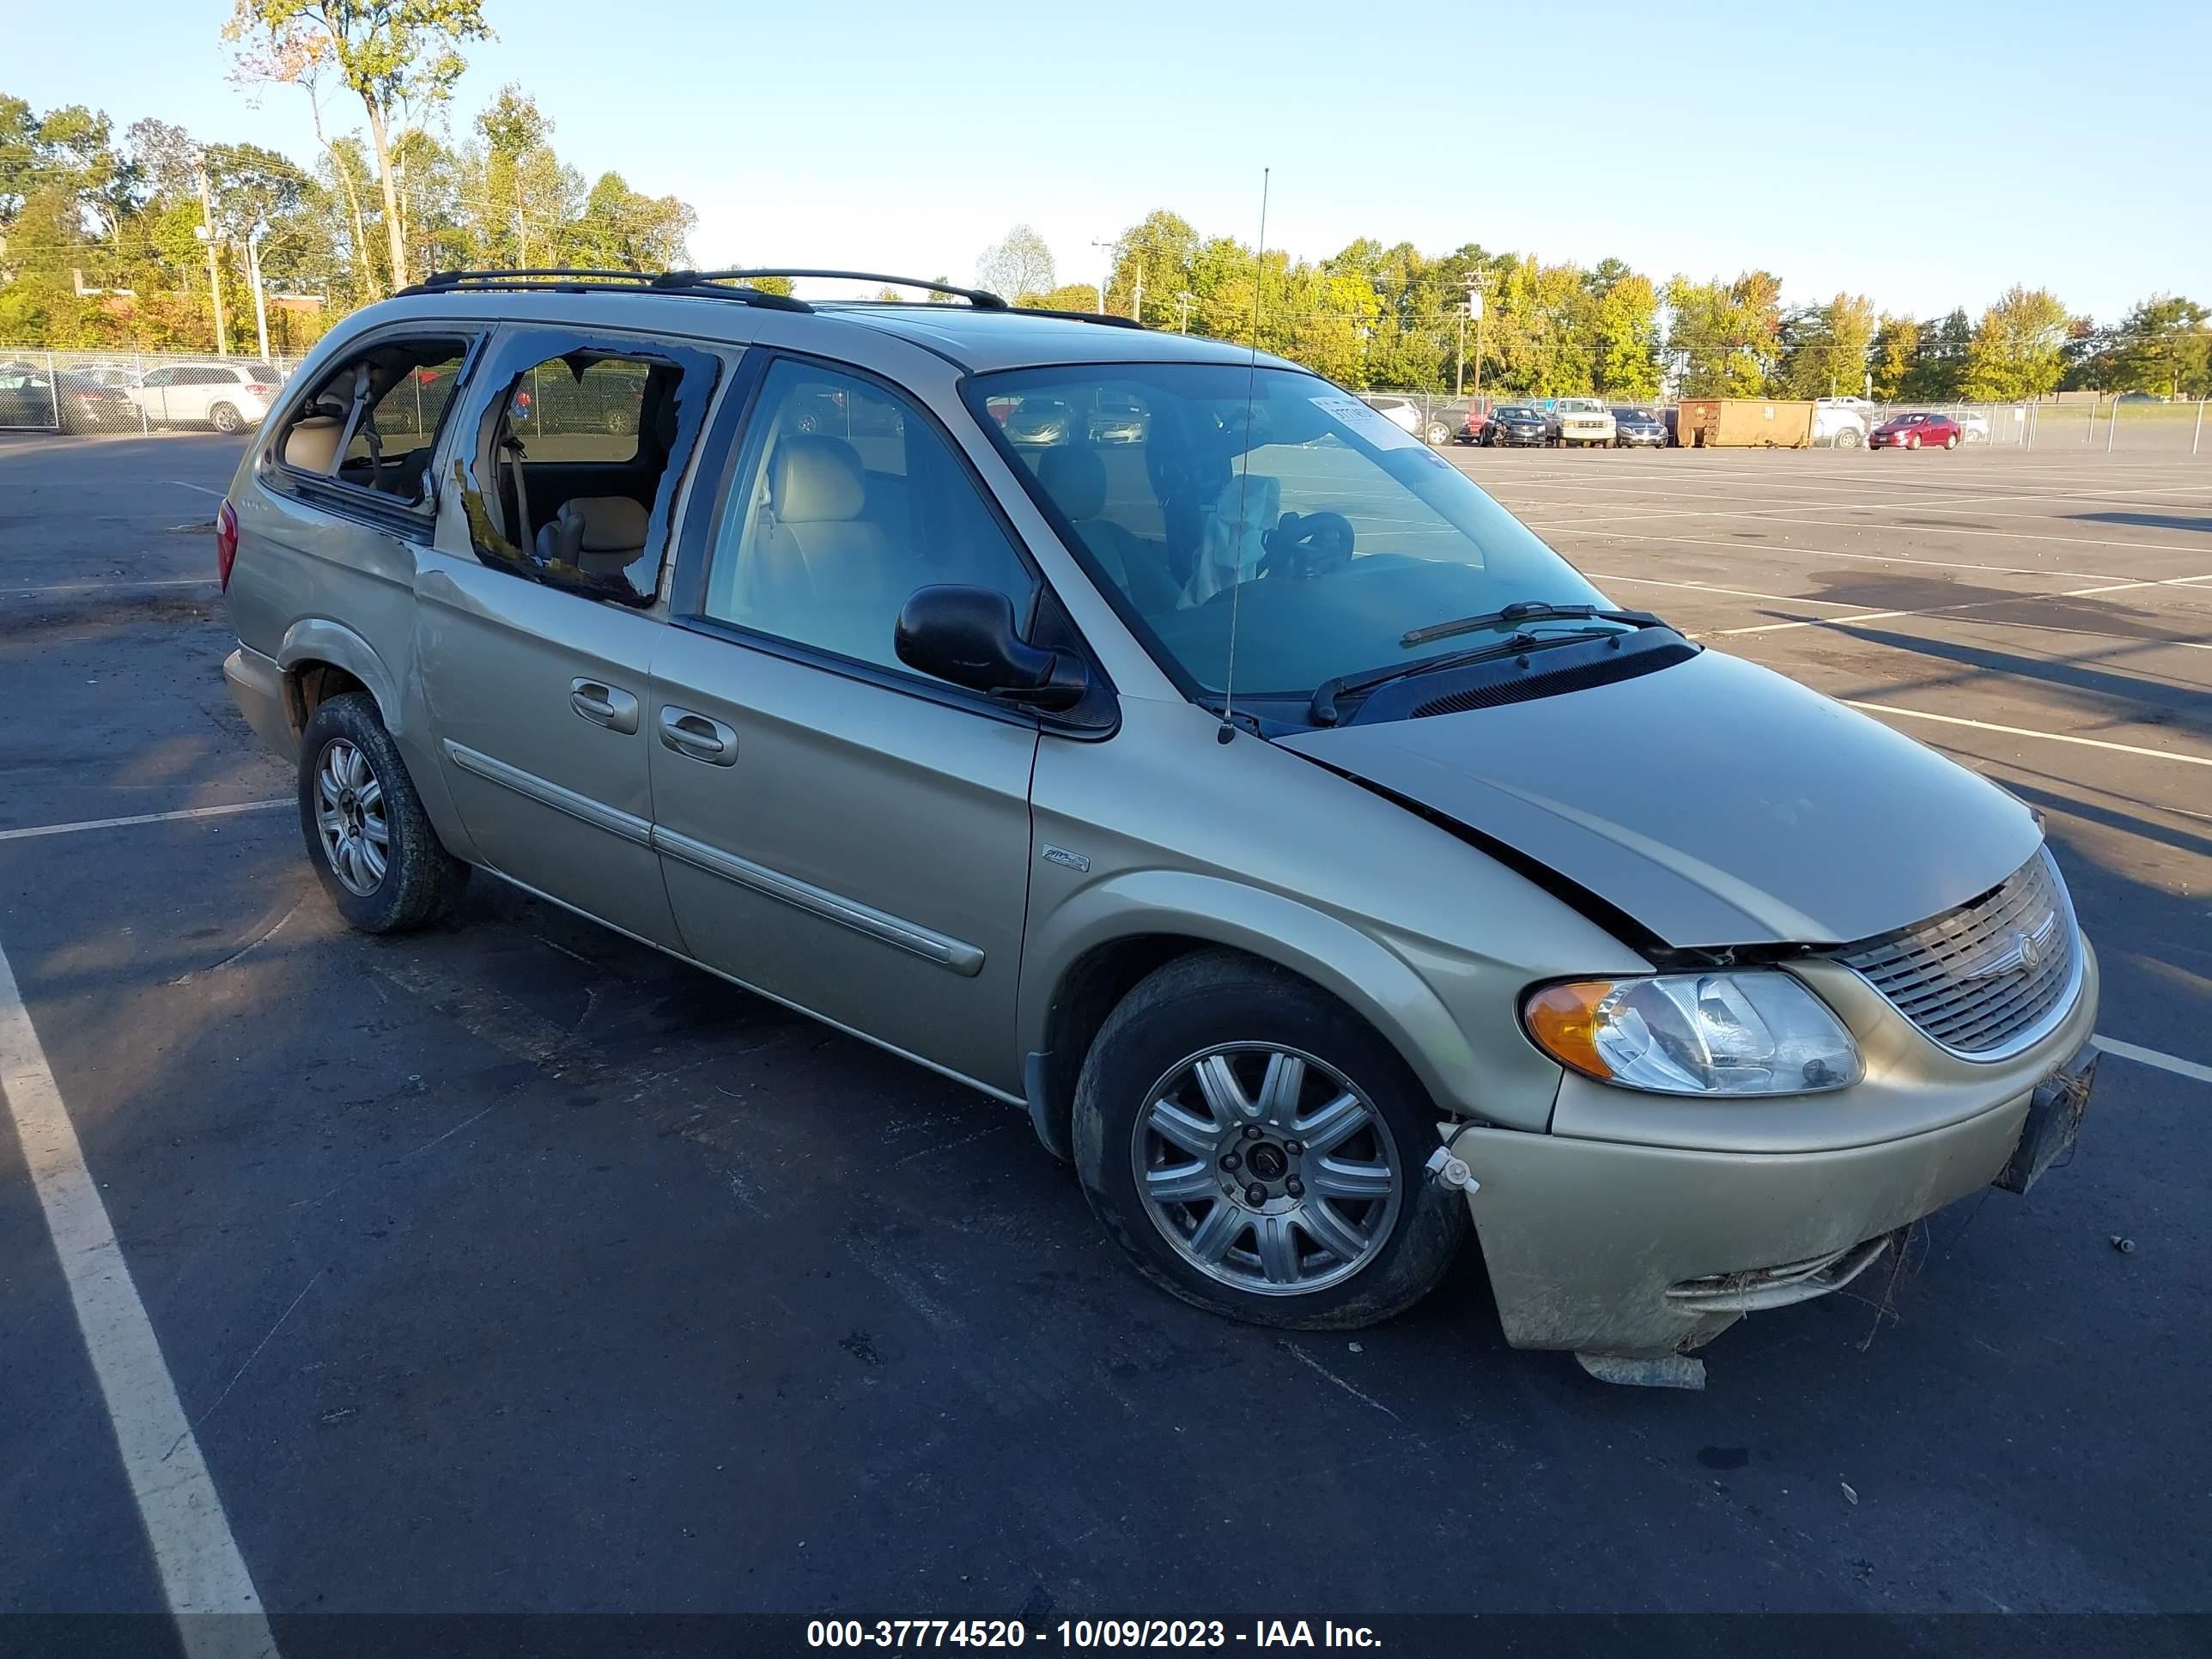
x=311, y=445
x=600, y=535
x=1075, y=478
x=817, y=544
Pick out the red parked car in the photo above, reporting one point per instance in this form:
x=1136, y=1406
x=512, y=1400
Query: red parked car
x=1917, y=431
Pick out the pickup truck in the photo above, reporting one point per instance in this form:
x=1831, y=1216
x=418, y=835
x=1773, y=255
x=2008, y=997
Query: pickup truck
x=1580, y=420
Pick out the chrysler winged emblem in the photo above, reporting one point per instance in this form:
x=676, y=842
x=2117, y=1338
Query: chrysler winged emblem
x=2024, y=954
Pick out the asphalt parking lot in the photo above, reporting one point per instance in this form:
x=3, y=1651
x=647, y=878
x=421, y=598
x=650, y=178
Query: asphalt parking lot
x=512, y=1267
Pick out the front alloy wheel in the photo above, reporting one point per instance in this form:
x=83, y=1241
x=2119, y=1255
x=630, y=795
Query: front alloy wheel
x=1266, y=1170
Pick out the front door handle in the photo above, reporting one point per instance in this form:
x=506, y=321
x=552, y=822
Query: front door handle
x=694, y=735
x=602, y=704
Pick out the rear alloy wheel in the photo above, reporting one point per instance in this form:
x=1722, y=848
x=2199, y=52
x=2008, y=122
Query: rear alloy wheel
x=1951, y=442
x=225, y=418
x=372, y=845
x=1848, y=438
x=1256, y=1148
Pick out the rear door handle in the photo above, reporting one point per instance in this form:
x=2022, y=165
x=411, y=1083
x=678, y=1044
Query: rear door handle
x=602, y=704
x=694, y=735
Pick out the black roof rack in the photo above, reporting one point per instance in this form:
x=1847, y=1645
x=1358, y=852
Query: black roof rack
x=981, y=299
x=568, y=280
x=717, y=284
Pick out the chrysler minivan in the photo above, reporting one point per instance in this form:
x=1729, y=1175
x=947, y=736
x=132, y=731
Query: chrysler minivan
x=1326, y=867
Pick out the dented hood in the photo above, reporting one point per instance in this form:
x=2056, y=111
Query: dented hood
x=1714, y=802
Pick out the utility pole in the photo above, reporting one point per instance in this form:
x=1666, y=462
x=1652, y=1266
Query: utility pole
x=260, y=303
x=1113, y=252
x=1137, y=305
x=1474, y=305
x=214, y=266
x=1182, y=312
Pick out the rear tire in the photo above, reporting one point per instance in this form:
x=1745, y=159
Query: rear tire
x=1848, y=438
x=1239, y=1058
x=1951, y=442
x=372, y=844
x=223, y=418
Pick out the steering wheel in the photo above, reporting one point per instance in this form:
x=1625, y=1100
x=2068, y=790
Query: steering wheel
x=1305, y=548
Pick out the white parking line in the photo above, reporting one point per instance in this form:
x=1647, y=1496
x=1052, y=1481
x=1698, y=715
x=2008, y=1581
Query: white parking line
x=200, y=1569
x=1798, y=550
x=36, y=830
x=1970, y=605
x=102, y=587
x=181, y=484
x=2172, y=1063
x=2023, y=731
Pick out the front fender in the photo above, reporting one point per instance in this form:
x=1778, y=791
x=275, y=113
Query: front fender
x=1343, y=961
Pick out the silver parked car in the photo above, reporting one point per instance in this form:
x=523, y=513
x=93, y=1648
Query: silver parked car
x=1324, y=864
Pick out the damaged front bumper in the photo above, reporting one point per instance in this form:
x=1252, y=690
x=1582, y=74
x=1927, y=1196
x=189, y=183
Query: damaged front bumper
x=1632, y=1253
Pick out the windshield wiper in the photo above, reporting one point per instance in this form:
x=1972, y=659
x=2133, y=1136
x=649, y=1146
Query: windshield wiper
x=1321, y=710
x=1521, y=611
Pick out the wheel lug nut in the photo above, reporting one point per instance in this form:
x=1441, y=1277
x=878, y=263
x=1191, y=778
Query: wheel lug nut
x=1256, y=1193
x=1231, y=1161
x=1292, y=1148
x=1295, y=1187
x=1251, y=1132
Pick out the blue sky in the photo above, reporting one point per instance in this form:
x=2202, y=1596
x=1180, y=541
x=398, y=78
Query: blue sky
x=1928, y=157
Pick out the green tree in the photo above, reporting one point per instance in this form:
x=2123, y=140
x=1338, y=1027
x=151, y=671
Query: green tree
x=1151, y=268
x=1824, y=348
x=1624, y=330
x=2160, y=346
x=397, y=56
x=1724, y=337
x=2017, y=349
x=1896, y=343
x=1939, y=369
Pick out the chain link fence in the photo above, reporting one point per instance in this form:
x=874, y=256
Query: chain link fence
x=146, y=393
x=85, y=392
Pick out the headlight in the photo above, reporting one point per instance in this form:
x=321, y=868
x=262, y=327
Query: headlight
x=1760, y=1032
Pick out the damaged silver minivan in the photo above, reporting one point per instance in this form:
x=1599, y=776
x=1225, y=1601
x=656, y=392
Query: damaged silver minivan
x=1154, y=736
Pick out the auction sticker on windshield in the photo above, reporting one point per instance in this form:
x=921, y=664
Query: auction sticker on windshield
x=1382, y=433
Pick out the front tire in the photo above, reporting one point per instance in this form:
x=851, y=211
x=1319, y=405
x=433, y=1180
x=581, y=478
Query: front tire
x=1913, y=441
x=372, y=844
x=1256, y=1148
x=1438, y=434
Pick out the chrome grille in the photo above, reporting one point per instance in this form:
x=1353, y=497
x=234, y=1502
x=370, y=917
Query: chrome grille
x=1985, y=980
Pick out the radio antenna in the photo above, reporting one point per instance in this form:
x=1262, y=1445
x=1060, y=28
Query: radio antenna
x=1228, y=730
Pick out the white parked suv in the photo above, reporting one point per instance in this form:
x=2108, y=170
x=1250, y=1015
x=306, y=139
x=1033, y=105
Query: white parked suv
x=1405, y=414
x=1582, y=421
x=1840, y=423
x=228, y=397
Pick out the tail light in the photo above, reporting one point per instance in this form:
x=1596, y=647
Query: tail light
x=226, y=542
x=260, y=391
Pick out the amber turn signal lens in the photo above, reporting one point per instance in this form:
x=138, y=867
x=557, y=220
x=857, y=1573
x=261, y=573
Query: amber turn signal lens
x=1563, y=1019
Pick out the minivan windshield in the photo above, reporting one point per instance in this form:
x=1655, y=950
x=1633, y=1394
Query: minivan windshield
x=1323, y=530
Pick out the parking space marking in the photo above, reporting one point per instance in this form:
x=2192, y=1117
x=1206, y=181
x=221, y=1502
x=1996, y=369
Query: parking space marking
x=201, y=1570
x=36, y=830
x=184, y=484
x=1790, y=550
x=104, y=587
x=2023, y=731
x=2164, y=1062
x=1969, y=605
x=1773, y=516
x=1740, y=593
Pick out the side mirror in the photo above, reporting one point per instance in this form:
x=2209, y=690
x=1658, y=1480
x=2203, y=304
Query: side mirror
x=967, y=636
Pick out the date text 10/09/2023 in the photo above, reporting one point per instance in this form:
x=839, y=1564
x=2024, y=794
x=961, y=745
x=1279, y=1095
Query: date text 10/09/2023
x=1084, y=1633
